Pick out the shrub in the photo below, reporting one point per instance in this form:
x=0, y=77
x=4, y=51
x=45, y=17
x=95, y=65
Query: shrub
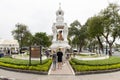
x=110, y=61
x=23, y=64
x=80, y=66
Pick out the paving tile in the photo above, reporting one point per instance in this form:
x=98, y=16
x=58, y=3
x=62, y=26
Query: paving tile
x=27, y=76
x=66, y=70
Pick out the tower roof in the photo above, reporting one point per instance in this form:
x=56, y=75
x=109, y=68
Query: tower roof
x=59, y=15
x=60, y=11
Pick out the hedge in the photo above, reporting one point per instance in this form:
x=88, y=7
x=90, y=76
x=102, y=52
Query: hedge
x=96, y=65
x=111, y=61
x=21, y=62
x=17, y=65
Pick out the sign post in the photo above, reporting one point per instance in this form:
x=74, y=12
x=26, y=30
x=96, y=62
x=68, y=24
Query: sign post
x=40, y=54
x=35, y=52
x=30, y=56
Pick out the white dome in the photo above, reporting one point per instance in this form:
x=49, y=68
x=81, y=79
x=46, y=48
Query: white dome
x=60, y=44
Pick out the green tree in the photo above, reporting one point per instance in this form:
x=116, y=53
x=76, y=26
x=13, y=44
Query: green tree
x=22, y=34
x=78, y=34
x=106, y=25
x=111, y=23
x=41, y=38
x=95, y=28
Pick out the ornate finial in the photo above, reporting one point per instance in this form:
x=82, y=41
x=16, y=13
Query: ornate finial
x=59, y=5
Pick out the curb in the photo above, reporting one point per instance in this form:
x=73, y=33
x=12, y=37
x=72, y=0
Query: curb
x=71, y=68
x=48, y=73
x=50, y=69
x=97, y=72
x=6, y=78
x=24, y=71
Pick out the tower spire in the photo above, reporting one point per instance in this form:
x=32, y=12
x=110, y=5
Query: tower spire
x=59, y=14
x=59, y=5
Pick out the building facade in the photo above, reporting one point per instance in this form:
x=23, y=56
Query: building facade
x=9, y=46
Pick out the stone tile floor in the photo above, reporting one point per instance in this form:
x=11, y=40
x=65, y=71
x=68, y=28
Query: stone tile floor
x=66, y=70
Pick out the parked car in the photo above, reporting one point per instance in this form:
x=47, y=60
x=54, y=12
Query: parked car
x=24, y=49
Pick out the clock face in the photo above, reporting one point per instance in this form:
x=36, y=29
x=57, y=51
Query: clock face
x=59, y=12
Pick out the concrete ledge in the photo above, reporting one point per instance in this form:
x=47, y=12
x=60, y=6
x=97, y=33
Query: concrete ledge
x=96, y=58
x=46, y=73
x=25, y=71
x=70, y=67
x=97, y=72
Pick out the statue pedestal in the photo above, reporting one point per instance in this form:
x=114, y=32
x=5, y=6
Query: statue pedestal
x=60, y=44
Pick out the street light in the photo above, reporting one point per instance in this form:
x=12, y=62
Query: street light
x=20, y=36
x=18, y=27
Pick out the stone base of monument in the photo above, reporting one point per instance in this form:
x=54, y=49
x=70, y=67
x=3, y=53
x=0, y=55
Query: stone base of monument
x=60, y=44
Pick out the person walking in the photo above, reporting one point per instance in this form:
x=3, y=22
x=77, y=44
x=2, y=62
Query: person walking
x=47, y=53
x=54, y=60
x=59, y=55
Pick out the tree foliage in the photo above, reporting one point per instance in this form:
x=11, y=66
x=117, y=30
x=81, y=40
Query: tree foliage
x=95, y=26
x=25, y=38
x=41, y=38
x=78, y=33
x=111, y=23
x=106, y=24
x=95, y=30
x=22, y=34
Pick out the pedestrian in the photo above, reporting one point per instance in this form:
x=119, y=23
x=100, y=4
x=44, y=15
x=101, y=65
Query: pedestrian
x=47, y=53
x=59, y=59
x=54, y=60
x=67, y=54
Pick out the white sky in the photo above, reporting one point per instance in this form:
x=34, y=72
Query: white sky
x=39, y=15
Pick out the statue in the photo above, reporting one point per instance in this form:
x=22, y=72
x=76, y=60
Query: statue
x=55, y=33
x=59, y=36
x=65, y=33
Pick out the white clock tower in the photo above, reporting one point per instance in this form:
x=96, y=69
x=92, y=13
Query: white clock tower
x=60, y=31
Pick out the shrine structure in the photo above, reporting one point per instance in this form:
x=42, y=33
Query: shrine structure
x=60, y=31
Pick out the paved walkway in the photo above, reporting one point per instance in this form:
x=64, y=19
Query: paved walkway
x=53, y=75
x=26, y=76
x=66, y=70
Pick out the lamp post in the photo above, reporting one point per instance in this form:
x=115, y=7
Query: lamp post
x=20, y=42
x=30, y=56
x=18, y=27
x=20, y=36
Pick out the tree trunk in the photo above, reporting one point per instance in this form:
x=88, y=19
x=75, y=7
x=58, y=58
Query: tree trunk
x=110, y=49
x=100, y=43
x=80, y=48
